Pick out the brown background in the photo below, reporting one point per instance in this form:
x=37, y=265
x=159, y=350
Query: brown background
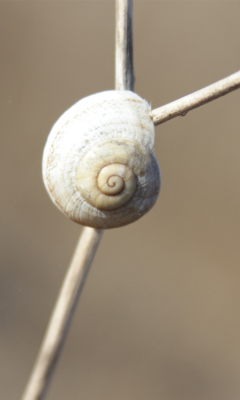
x=159, y=316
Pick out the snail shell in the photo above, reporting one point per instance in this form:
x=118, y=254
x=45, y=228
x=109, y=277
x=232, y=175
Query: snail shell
x=98, y=163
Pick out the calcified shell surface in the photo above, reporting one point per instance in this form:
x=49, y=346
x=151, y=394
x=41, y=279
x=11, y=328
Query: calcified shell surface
x=98, y=163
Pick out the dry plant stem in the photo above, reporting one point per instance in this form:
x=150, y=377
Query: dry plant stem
x=62, y=315
x=196, y=99
x=124, y=73
x=66, y=303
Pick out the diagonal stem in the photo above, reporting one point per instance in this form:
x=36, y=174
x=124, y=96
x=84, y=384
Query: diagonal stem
x=196, y=99
x=61, y=318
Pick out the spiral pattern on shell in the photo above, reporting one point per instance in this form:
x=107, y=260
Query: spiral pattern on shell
x=98, y=163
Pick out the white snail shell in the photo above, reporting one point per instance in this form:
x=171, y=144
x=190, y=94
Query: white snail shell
x=98, y=163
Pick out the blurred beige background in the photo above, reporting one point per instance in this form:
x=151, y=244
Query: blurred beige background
x=159, y=316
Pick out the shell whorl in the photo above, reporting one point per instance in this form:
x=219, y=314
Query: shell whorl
x=98, y=163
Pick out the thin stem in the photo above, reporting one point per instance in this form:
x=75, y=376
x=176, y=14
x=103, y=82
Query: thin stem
x=196, y=99
x=124, y=73
x=62, y=315
x=74, y=280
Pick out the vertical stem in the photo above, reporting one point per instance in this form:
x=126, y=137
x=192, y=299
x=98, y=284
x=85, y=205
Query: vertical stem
x=74, y=280
x=124, y=73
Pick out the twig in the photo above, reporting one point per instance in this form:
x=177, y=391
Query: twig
x=74, y=280
x=62, y=315
x=196, y=99
x=124, y=74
